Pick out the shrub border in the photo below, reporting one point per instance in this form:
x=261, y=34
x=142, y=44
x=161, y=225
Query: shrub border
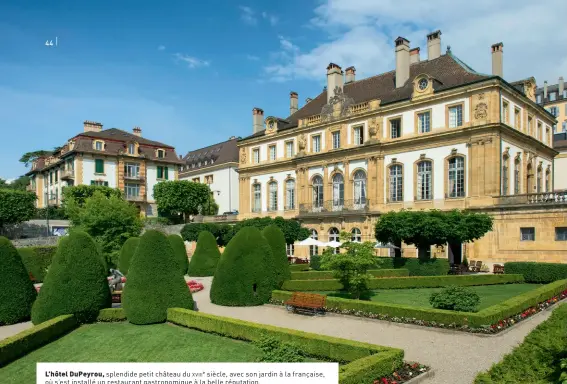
x=404, y=282
x=33, y=338
x=365, y=362
x=490, y=320
x=328, y=275
x=298, y=267
x=111, y=315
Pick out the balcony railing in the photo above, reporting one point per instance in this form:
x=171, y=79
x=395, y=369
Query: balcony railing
x=133, y=177
x=67, y=174
x=30, y=188
x=135, y=198
x=333, y=207
x=556, y=197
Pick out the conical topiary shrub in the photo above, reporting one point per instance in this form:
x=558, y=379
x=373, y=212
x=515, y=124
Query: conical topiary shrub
x=276, y=239
x=206, y=257
x=180, y=252
x=244, y=276
x=76, y=282
x=17, y=292
x=126, y=252
x=154, y=282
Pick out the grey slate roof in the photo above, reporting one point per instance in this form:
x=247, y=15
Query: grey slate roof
x=220, y=153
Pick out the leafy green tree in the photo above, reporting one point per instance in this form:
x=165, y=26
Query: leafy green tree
x=154, y=282
x=275, y=238
x=181, y=197
x=211, y=208
x=126, y=254
x=17, y=292
x=351, y=266
x=29, y=157
x=19, y=184
x=16, y=206
x=206, y=257
x=75, y=197
x=180, y=252
x=110, y=221
x=76, y=282
x=244, y=276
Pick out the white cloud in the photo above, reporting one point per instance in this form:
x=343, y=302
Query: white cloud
x=361, y=33
x=191, y=61
x=161, y=48
x=252, y=57
x=248, y=15
x=272, y=19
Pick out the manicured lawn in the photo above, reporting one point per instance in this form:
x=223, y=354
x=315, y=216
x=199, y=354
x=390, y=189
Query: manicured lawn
x=419, y=297
x=124, y=342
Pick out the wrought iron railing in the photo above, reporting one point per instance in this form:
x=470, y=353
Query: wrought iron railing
x=135, y=197
x=335, y=206
x=67, y=174
x=556, y=197
x=133, y=177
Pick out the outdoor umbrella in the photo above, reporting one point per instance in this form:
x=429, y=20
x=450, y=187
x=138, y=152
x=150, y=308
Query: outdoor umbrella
x=388, y=246
x=333, y=244
x=310, y=241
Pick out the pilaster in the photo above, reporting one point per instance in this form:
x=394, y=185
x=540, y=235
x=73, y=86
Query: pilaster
x=379, y=171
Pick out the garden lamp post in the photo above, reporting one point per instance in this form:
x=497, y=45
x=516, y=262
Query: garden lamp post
x=48, y=197
x=212, y=194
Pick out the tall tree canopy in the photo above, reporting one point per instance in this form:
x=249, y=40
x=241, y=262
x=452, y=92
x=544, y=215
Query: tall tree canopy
x=19, y=184
x=29, y=157
x=16, y=206
x=182, y=197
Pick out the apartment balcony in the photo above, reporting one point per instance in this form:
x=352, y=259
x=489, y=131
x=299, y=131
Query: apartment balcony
x=135, y=178
x=135, y=198
x=335, y=208
x=542, y=198
x=68, y=174
x=30, y=188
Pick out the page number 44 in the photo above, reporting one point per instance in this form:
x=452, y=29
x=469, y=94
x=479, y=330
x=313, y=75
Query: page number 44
x=49, y=43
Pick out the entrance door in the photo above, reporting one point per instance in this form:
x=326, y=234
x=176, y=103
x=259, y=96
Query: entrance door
x=455, y=253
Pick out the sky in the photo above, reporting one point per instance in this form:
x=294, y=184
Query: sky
x=189, y=72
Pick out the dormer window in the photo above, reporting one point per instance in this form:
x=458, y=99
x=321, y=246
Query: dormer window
x=206, y=162
x=160, y=153
x=131, y=149
x=99, y=145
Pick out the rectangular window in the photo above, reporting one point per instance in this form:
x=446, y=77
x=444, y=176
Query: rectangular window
x=530, y=124
x=256, y=155
x=290, y=250
x=98, y=145
x=527, y=234
x=505, y=180
x=564, y=126
x=554, y=111
x=539, y=129
x=132, y=191
x=517, y=178
x=99, y=166
x=395, y=128
x=56, y=175
x=209, y=179
x=196, y=180
x=424, y=122
x=316, y=144
x=505, y=112
x=561, y=234
x=100, y=183
x=517, y=118
x=131, y=149
x=289, y=149
x=162, y=172
x=455, y=116
x=538, y=99
x=50, y=177
x=358, y=135
x=552, y=96
x=272, y=152
x=257, y=206
x=336, y=139
x=160, y=153
x=132, y=170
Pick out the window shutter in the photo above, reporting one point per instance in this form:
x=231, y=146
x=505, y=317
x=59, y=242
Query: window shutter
x=159, y=172
x=166, y=172
x=99, y=166
x=92, y=182
x=106, y=183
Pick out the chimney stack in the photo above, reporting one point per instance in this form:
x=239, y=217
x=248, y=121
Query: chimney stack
x=334, y=80
x=561, y=87
x=402, y=61
x=92, y=126
x=350, y=75
x=293, y=104
x=545, y=90
x=257, y=120
x=308, y=100
x=434, y=45
x=414, y=55
x=497, y=58
x=137, y=131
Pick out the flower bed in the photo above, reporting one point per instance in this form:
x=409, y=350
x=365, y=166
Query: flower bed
x=195, y=286
x=404, y=374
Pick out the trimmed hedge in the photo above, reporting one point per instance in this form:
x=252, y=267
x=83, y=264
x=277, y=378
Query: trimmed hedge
x=298, y=267
x=31, y=339
x=206, y=257
x=416, y=267
x=109, y=315
x=366, y=361
x=276, y=240
x=405, y=282
x=180, y=252
x=537, y=272
x=76, y=283
x=155, y=282
x=326, y=275
x=126, y=253
x=37, y=260
x=536, y=360
x=17, y=292
x=485, y=317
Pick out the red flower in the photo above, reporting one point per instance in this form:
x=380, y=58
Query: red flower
x=384, y=380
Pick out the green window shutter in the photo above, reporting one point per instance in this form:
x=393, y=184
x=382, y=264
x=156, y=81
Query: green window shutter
x=106, y=183
x=92, y=182
x=166, y=172
x=159, y=172
x=99, y=166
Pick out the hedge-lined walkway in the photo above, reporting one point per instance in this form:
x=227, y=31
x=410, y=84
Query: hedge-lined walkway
x=456, y=357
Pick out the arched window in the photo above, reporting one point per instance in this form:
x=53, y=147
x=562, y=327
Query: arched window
x=317, y=192
x=356, y=235
x=517, y=176
x=290, y=194
x=334, y=236
x=257, y=206
x=396, y=183
x=313, y=249
x=539, y=180
x=360, y=188
x=505, y=175
x=273, y=197
x=338, y=191
x=424, y=180
x=456, y=177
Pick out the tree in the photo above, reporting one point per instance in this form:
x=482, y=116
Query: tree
x=110, y=221
x=351, y=266
x=75, y=197
x=275, y=238
x=17, y=292
x=76, y=282
x=19, y=184
x=244, y=276
x=29, y=157
x=206, y=257
x=16, y=206
x=180, y=252
x=126, y=254
x=181, y=197
x=154, y=282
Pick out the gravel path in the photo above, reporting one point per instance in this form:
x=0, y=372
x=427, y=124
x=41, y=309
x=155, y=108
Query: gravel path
x=10, y=330
x=456, y=357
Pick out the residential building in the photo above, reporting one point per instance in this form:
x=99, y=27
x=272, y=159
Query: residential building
x=215, y=165
x=431, y=134
x=110, y=157
x=560, y=161
x=553, y=97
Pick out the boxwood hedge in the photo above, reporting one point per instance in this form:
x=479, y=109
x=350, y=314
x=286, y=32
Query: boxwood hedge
x=126, y=252
x=275, y=238
x=180, y=252
x=537, y=272
x=325, y=275
x=416, y=267
x=206, y=257
x=37, y=260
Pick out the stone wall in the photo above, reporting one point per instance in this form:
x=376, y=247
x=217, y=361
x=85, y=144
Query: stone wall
x=34, y=242
x=167, y=229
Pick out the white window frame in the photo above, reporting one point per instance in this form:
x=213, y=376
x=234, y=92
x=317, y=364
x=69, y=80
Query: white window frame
x=272, y=151
x=256, y=155
x=424, y=122
x=336, y=138
x=316, y=142
x=456, y=116
x=289, y=149
x=358, y=135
